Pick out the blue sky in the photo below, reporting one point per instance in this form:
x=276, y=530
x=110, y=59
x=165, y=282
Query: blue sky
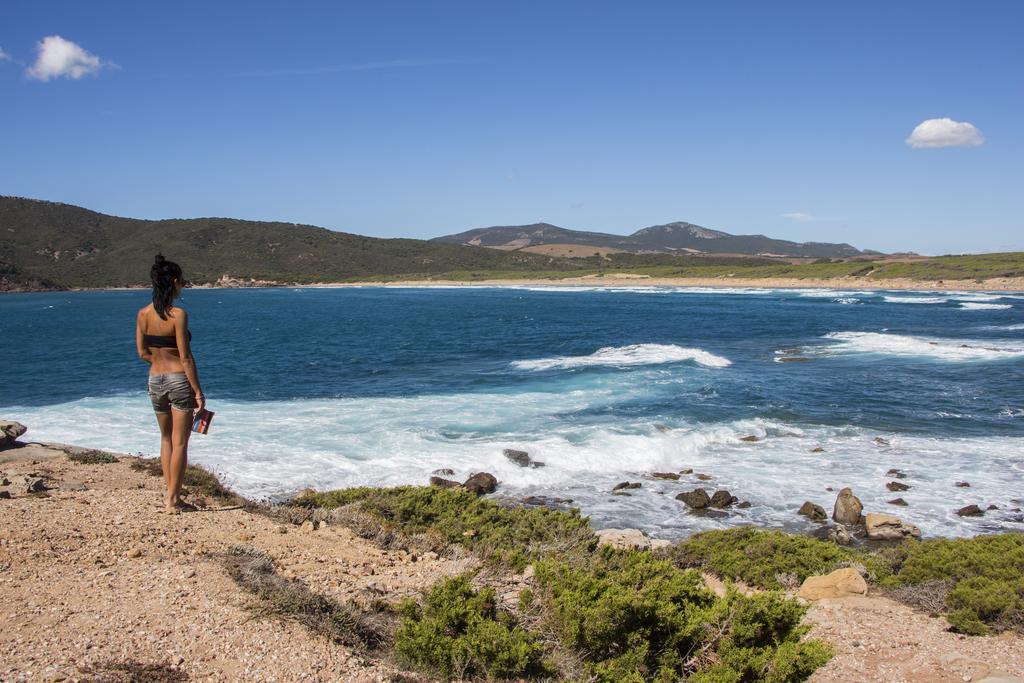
x=418, y=119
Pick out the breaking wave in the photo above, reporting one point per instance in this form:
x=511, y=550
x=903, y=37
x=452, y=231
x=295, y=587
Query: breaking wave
x=906, y=345
x=620, y=356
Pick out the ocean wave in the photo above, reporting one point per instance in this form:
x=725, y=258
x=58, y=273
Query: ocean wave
x=907, y=345
x=620, y=356
x=915, y=299
x=971, y=306
x=847, y=300
x=1018, y=326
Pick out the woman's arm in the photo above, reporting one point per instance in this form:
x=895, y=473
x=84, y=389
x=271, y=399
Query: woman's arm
x=140, y=344
x=185, y=353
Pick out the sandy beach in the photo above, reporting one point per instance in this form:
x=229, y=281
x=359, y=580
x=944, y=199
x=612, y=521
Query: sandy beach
x=98, y=586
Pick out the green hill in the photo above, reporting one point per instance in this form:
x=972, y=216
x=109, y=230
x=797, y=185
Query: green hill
x=51, y=244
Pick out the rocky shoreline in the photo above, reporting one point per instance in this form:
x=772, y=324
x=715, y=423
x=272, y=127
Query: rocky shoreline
x=99, y=586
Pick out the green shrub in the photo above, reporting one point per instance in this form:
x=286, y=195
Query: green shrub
x=759, y=557
x=92, y=457
x=640, y=618
x=987, y=576
x=460, y=633
x=508, y=536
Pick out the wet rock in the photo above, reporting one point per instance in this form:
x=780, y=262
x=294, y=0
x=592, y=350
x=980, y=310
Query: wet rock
x=839, y=584
x=444, y=483
x=897, y=501
x=626, y=485
x=992, y=507
x=521, y=458
x=665, y=475
x=704, y=477
x=444, y=472
x=688, y=470
x=817, y=449
x=839, y=535
x=750, y=438
x=545, y=501
x=963, y=484
x=896, y=473
x=722, y=499
x=481, y=483
x=621, y=493
x=9, y=432
x=879, y=441
x=815, y=512
x=698, y=499
x=848, y=508
x=882, y=527
x=662, y=428
x=744, y=505
x=970, y=511
x=897, y=486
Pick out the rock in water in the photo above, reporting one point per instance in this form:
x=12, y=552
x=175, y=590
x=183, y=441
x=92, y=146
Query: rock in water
x=626, y=485
x=481, y=483
x=881, y=527
x=970, y=511
x=521, y=458
x=9, y=432
x=815, y=512
x=723, y=499
x=838, y=584
x=848, y=508
x=749, y=438
x=444, y=472
x=897, y=501
x=444, y=483
x=963, y=484
x=665, y=475
x=897, y=486
x=896, y=473
x=698, y=499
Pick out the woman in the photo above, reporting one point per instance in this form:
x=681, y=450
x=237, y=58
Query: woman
x=162, y=338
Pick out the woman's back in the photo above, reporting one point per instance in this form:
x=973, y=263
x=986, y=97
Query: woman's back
x=160, y=337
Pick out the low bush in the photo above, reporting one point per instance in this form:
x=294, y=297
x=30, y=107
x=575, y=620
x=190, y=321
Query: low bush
x=197, y=479
x=640, y=618
x=505, y=536
x=459, y=633
x=770, y=559
x=984, y=577
x=92, y=457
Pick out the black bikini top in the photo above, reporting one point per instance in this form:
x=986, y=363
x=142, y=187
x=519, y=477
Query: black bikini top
x=163, y=341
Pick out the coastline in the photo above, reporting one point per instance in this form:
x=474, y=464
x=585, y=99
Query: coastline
x=1014, y=284
x=91, y=565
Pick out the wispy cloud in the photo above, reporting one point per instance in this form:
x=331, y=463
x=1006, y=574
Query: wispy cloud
x=801, y=217
x=936, y=133
x=57, y=57
x=342, y=68
x=4, y=57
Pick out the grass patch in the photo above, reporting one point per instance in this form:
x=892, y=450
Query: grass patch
x=198, y=480
x=770, y=559
x=982, y=577
x=285, y=598
x=92, y=457
x=502, y=536
x=459, y=633
x=640, y=618
x=130, y=671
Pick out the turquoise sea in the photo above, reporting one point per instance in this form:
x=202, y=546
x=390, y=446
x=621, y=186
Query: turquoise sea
x=379, y=386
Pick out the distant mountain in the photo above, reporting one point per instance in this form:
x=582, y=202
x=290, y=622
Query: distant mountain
x=668, y=238
x=48, y=244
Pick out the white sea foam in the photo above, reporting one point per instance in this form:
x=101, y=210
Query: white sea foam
x=915, y=299
x=971, y=306
x=275, y=448
x=1018, y=326
x=847, y=300
x=621, y=356
x=927, y=347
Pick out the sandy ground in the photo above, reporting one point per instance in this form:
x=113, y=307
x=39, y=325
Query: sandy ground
x=93, y=577
x=1015, y=284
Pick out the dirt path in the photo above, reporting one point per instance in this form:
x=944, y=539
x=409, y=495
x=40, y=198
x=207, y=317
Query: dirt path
x=96, y=583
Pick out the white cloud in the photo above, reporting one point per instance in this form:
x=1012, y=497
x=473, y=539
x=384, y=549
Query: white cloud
x=58, y=57
x=4, y=57
x=935, y=133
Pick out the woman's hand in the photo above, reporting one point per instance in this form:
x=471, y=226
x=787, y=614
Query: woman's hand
x=200, y=401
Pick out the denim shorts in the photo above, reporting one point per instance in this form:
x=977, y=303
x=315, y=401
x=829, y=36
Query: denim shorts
x=171, y=391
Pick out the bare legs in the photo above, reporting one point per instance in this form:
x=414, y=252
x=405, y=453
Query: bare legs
x=175, y=429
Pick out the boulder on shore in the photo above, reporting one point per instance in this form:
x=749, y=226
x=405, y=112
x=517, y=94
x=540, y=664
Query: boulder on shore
x=815, y=512
x=839, y=535
x=698, y=499
x=628, y=538
x=881, y=527
x=481, y=483
x=848, y=508
x=521, y=458
x=9, y=432
x=839, y=584
x=444, y=483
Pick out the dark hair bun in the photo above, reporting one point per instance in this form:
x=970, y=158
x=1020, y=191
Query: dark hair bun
x=160, y=259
